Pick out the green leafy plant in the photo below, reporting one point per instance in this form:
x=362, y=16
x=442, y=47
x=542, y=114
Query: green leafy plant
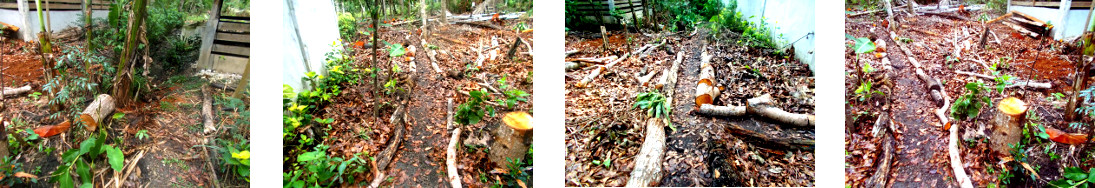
x=475, y=109
x=1075, y=177
x=142, y=134
x=83, y=159
x=968, y=106
x=862, y=44
x=35, y=95
x=237, y=157
x=654, y=104
x=512, y=95
x=320, y=170
x=864, y=92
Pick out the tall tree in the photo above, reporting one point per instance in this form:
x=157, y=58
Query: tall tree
x=87, y=24
x=123, y=81
x=444, y=12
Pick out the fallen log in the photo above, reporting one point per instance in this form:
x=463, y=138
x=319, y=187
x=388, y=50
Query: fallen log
x=665, y=73
x=385, y=156
x=600, y=69
x=568, y=53
x=477, y=24
x=16, y=91
x=882, y=173
x=574, y=65
x=933, y=85
x=706, y=91
x=207, y=111
x=98, y=110
x=221, y=86
x=648, y=163
x=450, y=154
x=1019, y=83
x=645, y=80
x=952, y=145
x=760, y=106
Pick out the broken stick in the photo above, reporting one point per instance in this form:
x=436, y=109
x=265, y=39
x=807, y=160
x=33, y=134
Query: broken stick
x=450, y=155
x=207, y=111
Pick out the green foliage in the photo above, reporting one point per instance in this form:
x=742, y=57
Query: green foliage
x=512, y=95
x=10, y=168
x=78, y=79
x=396, y=50
x=83, y=159
x=237, y=157
x=1088, y=106
x=1002, y=80
x=862, y=44
x=864, y=92
x=969, y=105
x=347, y=26
x=311, y=167
x=142, y=134
x=1075, y=177
x=317, y=169
x=475, y=109
x=654, y=104
x=996, y=6
x=754, y=34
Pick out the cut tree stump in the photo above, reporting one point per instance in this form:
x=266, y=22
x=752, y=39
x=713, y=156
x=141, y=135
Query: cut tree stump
x=1009, y=124
x=98, y=110
x=511, y=140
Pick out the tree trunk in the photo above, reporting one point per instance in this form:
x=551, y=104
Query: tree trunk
x=97, y=111
x=243, y=82
x=87, y=25
x=444, y=12
x=122, y=81
x=634, y=19
x=889, y=14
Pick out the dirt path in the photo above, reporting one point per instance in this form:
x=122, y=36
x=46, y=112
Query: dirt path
x=422, y=156
x=687, y=148
x=921, y=138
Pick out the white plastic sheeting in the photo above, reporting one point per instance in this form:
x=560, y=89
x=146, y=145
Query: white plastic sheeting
x=310, y=28
x=794, y=19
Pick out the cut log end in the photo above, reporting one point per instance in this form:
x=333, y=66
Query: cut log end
x=89, y=121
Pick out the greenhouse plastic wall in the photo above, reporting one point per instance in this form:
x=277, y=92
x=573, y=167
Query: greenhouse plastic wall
x=59, y=20
x=310, y=27
x=794, y=19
